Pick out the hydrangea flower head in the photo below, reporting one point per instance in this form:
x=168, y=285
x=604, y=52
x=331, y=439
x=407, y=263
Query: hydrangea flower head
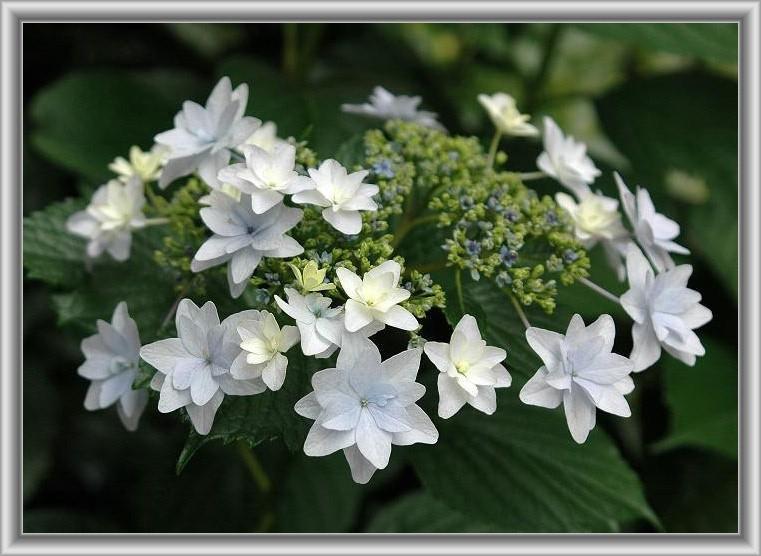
x=320, y=325
x=116, y=209
x=111, y=364
x=263, y=343
x=655, y=232
x=312, y=278
x=342, y=194
x=566, y=160
x=202, y=135
x=144, y=165
x=376, y=297
x=581, y=372
x=504, y=114
x=266, y=176
x=242, y=237
x=194, y=368
x=664, y=310
x=265, y=137
x=387, y=106
x=595, y=218
x=469, y=370
x=365, y=405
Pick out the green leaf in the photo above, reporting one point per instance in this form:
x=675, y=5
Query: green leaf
x=86, y=119
x=51, y=253
x=421, y=513
x=520, y=470
x=318, y=496
x=680, y=134
x=149, y=291
x=708, y=41
x=265, y=416
x=703, y=401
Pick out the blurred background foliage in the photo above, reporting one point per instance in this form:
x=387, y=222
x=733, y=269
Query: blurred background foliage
x=658, y=102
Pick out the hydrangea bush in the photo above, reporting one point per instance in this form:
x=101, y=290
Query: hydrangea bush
x=304, y=284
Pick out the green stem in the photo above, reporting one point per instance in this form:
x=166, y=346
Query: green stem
x=528, y=176
x=519, y=310
x=254, y=467
x=458, y=289
x=599, y=289
x=493, y=148
x=156, y=221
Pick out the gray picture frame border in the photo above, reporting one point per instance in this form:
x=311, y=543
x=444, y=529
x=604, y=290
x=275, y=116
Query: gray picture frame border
x=13, y=15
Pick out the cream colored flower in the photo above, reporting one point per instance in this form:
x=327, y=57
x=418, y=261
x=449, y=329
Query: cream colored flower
x=505, y=116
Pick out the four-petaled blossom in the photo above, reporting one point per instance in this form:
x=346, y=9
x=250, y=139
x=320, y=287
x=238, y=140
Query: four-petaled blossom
x=203, y=136
x=312, y=278
x=265, y=137
x=342, y=194
x=263, y=343
x=655, y=232
x=505, y=116
x=266, y=176
x=194, y=369
x=469, y=370
x=387, y=106
x=111, y=364
x=145, y=165
x=243, y=238
x=363, y=406
x=376, y=297
x=664, y=310
x=115, y=210
x=580, y=372
x=320, y=325
x=566, y=160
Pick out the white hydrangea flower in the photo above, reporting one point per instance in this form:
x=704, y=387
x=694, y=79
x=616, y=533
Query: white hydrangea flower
x=375, y=297
x=596, y=219
x=363, y=406
x=387, y=106
x=203, y=136
x=266, y=176
x=263, y=343
x=469, y=370
x=343, y=195
x=144, y=165
x=320, y=325
x=655, y=232
x=265, y=137
x=505, y=116
x=664, y=310
x=580, y=372
x=111, y=364
x=242, y=238
x=115, y=210
x=566, y=160
x=194, y=369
